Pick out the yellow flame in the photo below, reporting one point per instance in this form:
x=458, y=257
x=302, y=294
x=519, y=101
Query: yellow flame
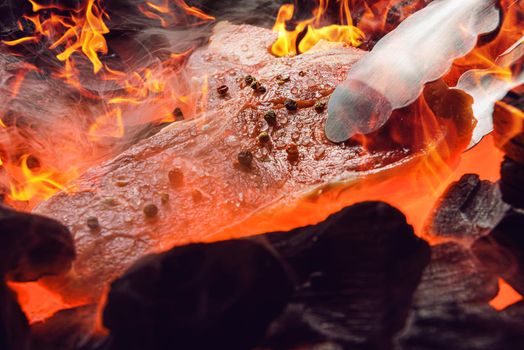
x=34, y=184
x=288, y=42
x=167, y=16
x=108, y=125
x=20, y=41
x=83, y=31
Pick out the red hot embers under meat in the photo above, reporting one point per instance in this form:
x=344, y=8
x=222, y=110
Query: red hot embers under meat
x=213, y=189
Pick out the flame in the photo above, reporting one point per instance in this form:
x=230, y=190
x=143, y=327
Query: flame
x=108, y=125
x=484, y=57
x=308, y=33
x=83, y=31
x=145, y=95
x=34, y=183
x=20, y=41
x=167, y=16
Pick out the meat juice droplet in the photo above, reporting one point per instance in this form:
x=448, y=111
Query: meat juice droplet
x=231, y=140
x=283, y=121
x=319, y=153
x=244, y=47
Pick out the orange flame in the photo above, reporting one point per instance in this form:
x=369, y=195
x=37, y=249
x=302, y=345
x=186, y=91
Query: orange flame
x=167, y=16
x=83, y=31
x=485, y=56
x=34, y=184
x=289, y=42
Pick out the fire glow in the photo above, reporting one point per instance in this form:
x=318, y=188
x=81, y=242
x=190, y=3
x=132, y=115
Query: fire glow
x=76, y=36
x=82, y=35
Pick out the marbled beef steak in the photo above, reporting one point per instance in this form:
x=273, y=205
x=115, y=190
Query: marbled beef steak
x=198, y=176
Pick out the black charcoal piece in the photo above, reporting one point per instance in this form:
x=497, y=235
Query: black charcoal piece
x=461, y=327
x=14, y=328
x=356, y=274
x=512, y=182
x=454, y=275
x=503, y=250
x=468, y=209
x=71, y=329
x=201, y=296
x=508, y=124
x=32, y=246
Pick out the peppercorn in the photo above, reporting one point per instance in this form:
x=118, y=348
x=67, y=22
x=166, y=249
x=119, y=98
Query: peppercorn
x=291, y=105
x=121, y=182
x=92, y=223
x=178, y=114
x=249, y=79
x=271, y=118
x=263, y=137
x=164, y=198
x=245, y=158
x=150, y=210
x=197, y=195
x=222, y=90
x=302, y=73
x=109, y=202
x=255, y=85
x=176, y=177
x=292, y=152
x=281, y=80
x=32, y=162
x=262, y=90
x=320, y=106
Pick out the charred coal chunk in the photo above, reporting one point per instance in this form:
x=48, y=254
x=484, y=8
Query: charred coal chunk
x=14, y=328
x=71, y=329
x=454, y=275
x=33, y=246
x=508, y=125
x=468, y=209
x=503, y=250
x=356, y=274
x=201, y=296
x=461, y=327
x=515, y=311
x=512, y=182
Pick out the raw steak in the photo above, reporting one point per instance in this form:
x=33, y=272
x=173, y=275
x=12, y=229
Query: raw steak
x=191, y=173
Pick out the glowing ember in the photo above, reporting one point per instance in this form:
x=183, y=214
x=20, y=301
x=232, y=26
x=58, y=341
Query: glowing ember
x=506, y=296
